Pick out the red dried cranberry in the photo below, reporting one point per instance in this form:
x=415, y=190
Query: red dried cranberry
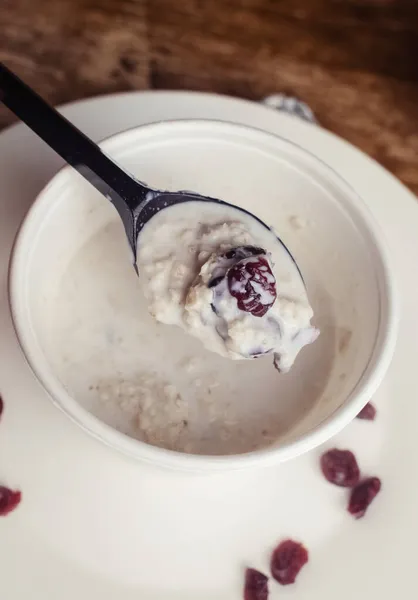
x=9, y=500
x=340, y=467
x=368, y=412
x=256, y=585
x=287, y=560
x=253, y=284
x=363, y=495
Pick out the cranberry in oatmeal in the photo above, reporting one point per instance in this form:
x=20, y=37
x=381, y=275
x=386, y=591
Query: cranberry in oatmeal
x=256, y=585
x=215, y=275
x=9, y=500
x=363, y=495
x=253, y=284
x=368, y=412
x=287, y=560
x=340, y=467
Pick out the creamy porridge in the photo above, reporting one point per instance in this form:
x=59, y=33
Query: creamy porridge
x=226, y=279
x=154, y=381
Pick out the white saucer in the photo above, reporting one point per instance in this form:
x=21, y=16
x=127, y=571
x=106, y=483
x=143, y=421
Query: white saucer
x=93, y=524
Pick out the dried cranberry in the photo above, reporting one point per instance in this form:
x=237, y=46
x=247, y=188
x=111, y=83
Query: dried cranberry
x=287, y=560
x=253, y=284
x=340, y=467
x=368, y=412
x=9, y=500
x=363, y=495
x=1, y=405
x=256, y=585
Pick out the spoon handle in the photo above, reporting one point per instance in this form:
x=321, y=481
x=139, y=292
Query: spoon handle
x=70, y=143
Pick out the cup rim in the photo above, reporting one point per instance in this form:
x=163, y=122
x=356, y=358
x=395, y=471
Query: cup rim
x=364, y=389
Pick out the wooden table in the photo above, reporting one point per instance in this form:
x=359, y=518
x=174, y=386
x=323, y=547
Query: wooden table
x=355, y=62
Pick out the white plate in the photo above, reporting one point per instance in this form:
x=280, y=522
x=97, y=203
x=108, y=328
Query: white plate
x=95, y=525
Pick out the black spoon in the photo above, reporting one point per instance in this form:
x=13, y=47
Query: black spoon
x=135, y=202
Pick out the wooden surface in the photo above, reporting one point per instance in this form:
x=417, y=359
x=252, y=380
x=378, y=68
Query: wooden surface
x=355, y=62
